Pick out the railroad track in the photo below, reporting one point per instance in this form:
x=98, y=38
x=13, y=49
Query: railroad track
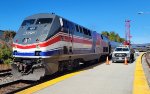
x=11, y=85
x=15, y=86
x=5, y=75
x=5, y=72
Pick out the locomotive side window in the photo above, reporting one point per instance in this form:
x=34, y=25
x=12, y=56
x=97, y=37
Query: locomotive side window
x=85, y=31
x=28, y=22
x=44, y=21
x=89, y=32
x=80, y=28
x=77, y=28
x=64, y=23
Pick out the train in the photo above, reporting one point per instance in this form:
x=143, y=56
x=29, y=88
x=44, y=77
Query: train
x=47, y=43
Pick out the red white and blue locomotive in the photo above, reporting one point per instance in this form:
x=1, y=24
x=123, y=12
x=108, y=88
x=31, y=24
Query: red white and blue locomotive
x=47, y=43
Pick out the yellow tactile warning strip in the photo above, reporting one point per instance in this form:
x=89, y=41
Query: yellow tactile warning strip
x=46, y=84
x=140, y=85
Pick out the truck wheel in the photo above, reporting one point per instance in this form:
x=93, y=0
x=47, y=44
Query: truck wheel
x=131, y=60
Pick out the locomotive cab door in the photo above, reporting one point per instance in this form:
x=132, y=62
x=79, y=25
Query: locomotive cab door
x=69, y=29
x=94, y=41
x=70, y=37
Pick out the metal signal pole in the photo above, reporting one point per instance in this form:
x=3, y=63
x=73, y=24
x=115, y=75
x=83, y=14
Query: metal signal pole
x=127, y=32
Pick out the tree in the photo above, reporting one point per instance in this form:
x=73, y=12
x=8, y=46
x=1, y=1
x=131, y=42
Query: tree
x=6, y=46
x=105, y=33
x=9, y=35
x=113, y=36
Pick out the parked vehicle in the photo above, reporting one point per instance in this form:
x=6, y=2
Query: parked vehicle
x=122, y=52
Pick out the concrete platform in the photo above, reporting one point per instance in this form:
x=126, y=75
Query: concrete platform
x=115, y=78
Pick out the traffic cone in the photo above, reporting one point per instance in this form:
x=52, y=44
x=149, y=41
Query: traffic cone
x=107, y=61
x=125, y=61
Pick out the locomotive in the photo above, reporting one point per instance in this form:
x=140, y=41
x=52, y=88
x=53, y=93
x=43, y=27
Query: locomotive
x=47, y=43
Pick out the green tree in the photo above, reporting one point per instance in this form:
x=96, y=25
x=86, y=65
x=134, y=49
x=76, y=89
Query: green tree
x=6, y=46
x=113, y=36
x=5, y=53
x=106, y=33
x=9, y=35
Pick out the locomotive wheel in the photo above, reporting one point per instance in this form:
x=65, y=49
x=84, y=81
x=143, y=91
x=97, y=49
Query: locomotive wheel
x=61, y=67
x=76, y=63
x=70, y=65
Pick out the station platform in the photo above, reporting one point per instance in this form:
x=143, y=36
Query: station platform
x=116, y=78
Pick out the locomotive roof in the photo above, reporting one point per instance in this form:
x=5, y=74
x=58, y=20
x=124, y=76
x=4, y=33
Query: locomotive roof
x=50, y=15
x=41, y=15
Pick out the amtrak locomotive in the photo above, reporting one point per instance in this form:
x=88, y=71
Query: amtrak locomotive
x=47, y=43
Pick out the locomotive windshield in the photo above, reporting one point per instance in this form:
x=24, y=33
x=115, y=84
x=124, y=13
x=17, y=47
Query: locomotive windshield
x=28, y=22
x=44, y=21
x=121, y=49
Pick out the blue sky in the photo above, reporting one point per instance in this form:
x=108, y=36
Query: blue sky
x=99, y=15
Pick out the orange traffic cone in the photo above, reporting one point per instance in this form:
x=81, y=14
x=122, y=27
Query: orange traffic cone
x=125, y=61
x=107, y=61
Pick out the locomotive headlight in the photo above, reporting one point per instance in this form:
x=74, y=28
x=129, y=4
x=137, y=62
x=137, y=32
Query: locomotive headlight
x=15, y=52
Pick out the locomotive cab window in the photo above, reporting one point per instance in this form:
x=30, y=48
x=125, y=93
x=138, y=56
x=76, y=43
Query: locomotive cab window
x=44, y=21
x=28, y=22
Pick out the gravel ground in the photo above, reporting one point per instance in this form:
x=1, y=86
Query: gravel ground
x=148, y=57
x=146, y=67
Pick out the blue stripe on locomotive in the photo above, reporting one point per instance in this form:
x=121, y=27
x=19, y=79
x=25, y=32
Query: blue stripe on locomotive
x=48, y=53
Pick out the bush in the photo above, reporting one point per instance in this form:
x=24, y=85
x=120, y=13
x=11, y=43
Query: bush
x=8, y=61
x=5, y=54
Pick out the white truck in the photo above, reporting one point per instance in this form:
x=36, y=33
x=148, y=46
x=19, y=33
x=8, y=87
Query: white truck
x=121, y=52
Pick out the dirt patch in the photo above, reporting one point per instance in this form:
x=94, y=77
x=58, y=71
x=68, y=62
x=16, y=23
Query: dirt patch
x=5, y=67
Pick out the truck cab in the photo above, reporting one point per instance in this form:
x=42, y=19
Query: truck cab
x=122, y=52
